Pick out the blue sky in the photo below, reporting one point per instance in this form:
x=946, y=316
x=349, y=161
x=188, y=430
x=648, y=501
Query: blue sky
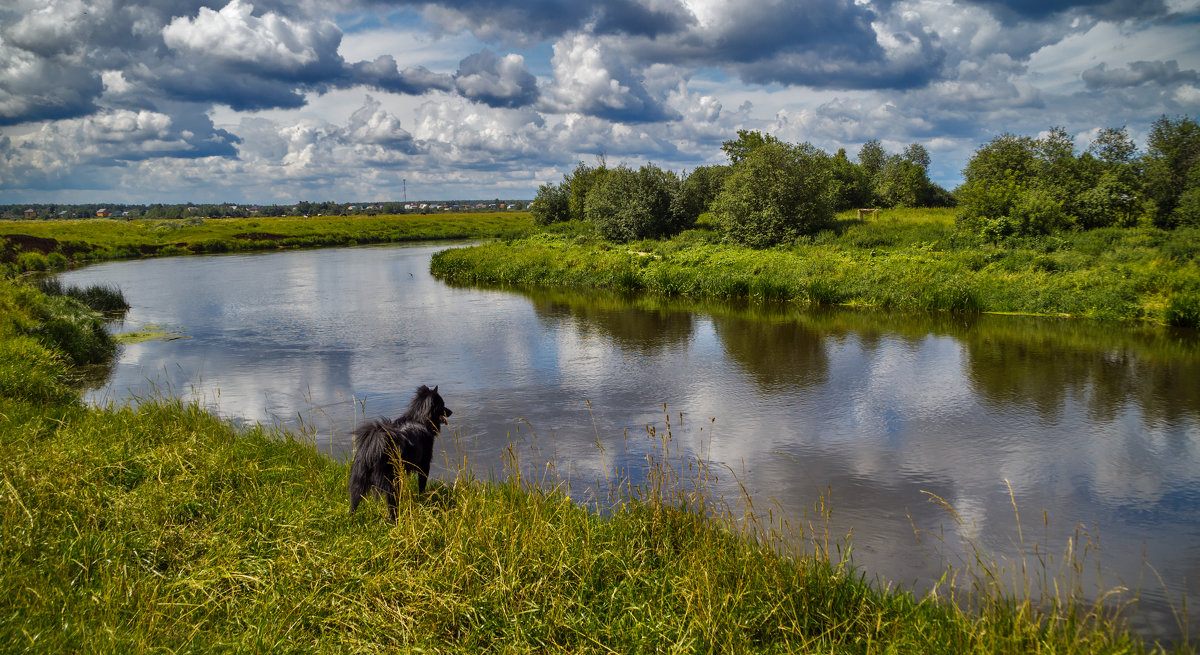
x=278, y=101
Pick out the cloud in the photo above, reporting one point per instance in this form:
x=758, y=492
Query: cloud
x=384, y=74
x=1136, y=74
x=100, y=94
x=1014, y=11
x=43, y=88
x=593, y=77
x=63, y=152
x=371, y=125
x=503, y=82
x=269, y=45
x=541, y=19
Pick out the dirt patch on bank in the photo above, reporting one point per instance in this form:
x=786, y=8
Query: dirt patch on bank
x=27, y=243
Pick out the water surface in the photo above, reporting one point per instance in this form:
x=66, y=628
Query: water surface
x=1094, y=427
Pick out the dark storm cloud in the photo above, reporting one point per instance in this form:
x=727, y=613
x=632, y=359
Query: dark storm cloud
x=1138, y=73
x=834, y=44
x=636, y=19
x=553, y=18
x=385, y=75
x=1012, y=12
x=838, y=28
x=44, y=89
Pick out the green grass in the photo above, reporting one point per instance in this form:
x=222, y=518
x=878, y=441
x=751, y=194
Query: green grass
x=905, y=259
x=50, y=245
x=103, y=298
x=161, y=528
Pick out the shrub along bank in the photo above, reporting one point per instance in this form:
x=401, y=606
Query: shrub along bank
x=906, y=258
x=159, y=527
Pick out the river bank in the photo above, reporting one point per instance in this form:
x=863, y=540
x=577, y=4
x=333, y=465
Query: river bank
x=52, y=244
x=904, y=259
x=161, y=527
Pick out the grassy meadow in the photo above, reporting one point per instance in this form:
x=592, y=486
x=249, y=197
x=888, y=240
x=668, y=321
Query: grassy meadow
x=909, y=259
x=159, y=527
x=45, y=244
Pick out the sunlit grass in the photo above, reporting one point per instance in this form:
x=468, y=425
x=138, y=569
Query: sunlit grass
x=904, y=259
x=161, y=527
x=104, y=239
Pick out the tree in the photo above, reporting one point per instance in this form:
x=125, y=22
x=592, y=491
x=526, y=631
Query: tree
x=871, y=157
x=1171, y=170
x=551, y=204
x=626, y=205
x=1113, y=199
x=1006, y=190
x=778, y=192
x=849, y=186
x=903, y=183
x=916, y=153
x=747, y=142
x=1004, y=155
x=578, y=183
x=696, y=193
x=1113, y=147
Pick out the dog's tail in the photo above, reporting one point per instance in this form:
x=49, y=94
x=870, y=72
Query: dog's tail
x=371, y=442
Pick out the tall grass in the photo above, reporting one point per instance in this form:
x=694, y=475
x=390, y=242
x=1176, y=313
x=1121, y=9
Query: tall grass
x=104, y=298
x=161, y=527
x=59, y=322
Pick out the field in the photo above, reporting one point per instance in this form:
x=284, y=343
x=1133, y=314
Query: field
x=904, y=259
x=42, y=245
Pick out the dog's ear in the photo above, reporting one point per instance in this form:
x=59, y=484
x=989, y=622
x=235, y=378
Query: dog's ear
x=435, y=388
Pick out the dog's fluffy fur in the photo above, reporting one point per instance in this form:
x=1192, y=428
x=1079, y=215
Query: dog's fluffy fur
x=383, y=446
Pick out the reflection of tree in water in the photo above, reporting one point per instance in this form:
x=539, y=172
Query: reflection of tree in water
x=642, y=327
x=1041, y=365
x=777, y=352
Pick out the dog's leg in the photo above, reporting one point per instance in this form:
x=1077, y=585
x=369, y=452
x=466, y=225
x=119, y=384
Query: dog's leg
x=423, y=466
x=393, y=504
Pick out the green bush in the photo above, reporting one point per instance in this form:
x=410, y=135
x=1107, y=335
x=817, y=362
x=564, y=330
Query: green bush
x=32, y=261
x=56, y=260
x=627, y=205
x=551, y=204
x=1183, y=310
x=1037, y=212
x=775, y=194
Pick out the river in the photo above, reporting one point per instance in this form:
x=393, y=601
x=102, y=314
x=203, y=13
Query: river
x=1091, y=430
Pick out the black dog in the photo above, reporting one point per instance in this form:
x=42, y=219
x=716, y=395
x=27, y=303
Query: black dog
x=383, y=445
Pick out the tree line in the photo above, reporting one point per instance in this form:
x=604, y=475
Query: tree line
x=161, y=211
x=1021, y=186
x=772, y=192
